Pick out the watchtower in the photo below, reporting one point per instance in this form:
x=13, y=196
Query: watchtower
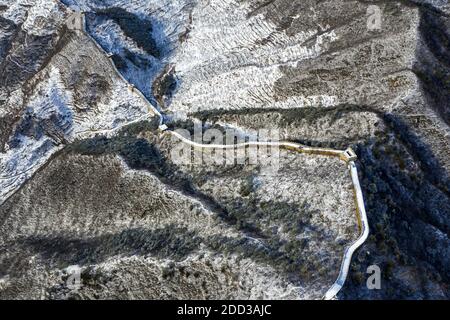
x=348, y=155
x=76, y=21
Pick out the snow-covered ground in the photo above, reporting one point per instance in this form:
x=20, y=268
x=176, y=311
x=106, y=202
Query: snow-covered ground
x=35, y=16
x=223, y=59
x=30, y=147
x=226, y=60
x=232, y=61
x=53, y=118
x=168, y=20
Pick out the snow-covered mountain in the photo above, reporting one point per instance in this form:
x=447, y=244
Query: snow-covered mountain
x=87, y=179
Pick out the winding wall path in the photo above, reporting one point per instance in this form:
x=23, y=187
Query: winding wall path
x=77, y=22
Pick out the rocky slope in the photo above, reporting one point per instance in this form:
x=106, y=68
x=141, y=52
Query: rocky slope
x=87, y=180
